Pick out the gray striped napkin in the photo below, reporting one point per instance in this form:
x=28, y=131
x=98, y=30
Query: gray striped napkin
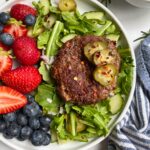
x=133, y=132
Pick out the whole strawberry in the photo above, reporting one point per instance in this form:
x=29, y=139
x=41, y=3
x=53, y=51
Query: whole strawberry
x=20, y=11
x=26, y=51
x=24, y=79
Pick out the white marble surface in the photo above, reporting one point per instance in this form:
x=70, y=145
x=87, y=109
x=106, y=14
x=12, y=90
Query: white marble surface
x=134, y=20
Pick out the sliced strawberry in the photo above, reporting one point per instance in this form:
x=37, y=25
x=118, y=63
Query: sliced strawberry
x=10, y=100
x=5, y=62
x=15, y=30
x=4, y=47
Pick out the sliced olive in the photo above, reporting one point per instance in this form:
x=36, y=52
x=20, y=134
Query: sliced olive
x=103, y=57
x=91, y=48
x=67, y=5
x=105, y=75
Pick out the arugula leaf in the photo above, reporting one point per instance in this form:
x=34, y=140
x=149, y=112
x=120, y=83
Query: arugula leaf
x=52, y=46
x=46, y=97
x=43, y=39
x=126, y=74
x=70, y=18
x=44, y=72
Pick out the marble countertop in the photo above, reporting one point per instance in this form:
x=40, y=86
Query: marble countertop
x=134, y=20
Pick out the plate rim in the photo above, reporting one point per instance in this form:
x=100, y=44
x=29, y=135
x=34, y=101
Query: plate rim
x=130, y=97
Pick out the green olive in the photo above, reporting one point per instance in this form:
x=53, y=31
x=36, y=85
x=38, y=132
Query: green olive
x=105, y=75
x=67, y=5
x=91, y=48
x=103, y=57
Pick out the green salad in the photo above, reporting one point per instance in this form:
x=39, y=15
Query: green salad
x=55, y=25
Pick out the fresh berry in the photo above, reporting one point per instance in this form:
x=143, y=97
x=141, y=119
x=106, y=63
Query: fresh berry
x=2, y=125
x=30, y=98
x=20, y=11
x=30, y=20
x=22, y=119
x=26, y=132
x=46, y=129
x=7, y=135
x=15, y=30
x=38, y=137
x=14, y=129
x=10, y=100
x=47, y=140
x=32, y=110
x=45, y=121
x=5, y=62
x=4, y=47
x=26, y=51
x=10, y=117
x=6, y=39
x=1, y=28
x=20, y=138
x=34, y=123
x=24, y=79
x=4, y=17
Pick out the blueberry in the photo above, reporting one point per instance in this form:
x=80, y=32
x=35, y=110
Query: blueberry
x=14, y=129
x=47, y=140
x=30, y=98
x=4, y=17
x=34, y=123
x=10, y=117
x=21, y=138
x=30, y=20
x=2, y=125
x=38, y=137
x=6, y=39
x=22, y=119
x=1, y=28
x=32, y=110
x=45, y=121
x=7, y=135
x=46, y=129
x=26, y=132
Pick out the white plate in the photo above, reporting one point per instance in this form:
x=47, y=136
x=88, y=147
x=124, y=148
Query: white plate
x=83, y=5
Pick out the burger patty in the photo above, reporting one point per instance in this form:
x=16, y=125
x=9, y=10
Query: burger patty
x=74, y=73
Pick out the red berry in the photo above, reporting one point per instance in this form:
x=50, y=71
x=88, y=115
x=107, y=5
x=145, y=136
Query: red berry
x=10, y=100
x=5, y=62
x=15, y=30
x=24, y=79
x=4, y=47
x=26, y=51
x=20, y=11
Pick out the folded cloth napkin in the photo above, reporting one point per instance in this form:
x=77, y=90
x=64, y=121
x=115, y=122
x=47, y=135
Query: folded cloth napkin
x=133, y=132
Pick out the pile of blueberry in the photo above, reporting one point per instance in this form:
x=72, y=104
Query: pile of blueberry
x=7, y=38
x=27, y=123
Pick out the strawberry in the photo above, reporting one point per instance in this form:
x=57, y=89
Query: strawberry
x=4, y=47
x=20, y=11
x=15, y=30
x=5, y=62
x=10, y=100
x=26, y=51
x=24, y=79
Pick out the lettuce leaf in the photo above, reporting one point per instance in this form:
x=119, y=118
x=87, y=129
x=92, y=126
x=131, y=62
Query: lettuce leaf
x=47, y=98
x=53, y=42
x=43, y=39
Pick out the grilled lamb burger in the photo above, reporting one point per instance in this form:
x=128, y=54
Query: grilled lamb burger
x=86, y=69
